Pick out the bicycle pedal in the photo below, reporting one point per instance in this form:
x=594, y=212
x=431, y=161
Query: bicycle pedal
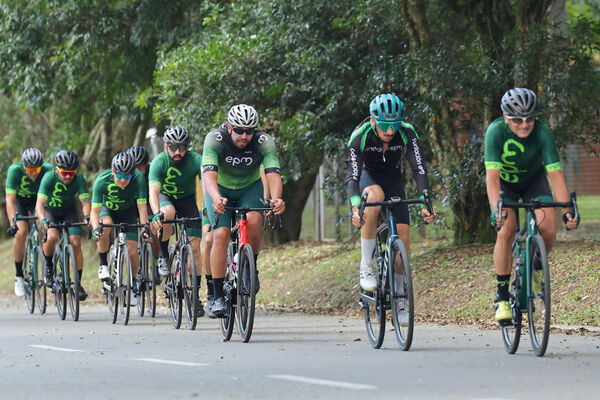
x=506, y=322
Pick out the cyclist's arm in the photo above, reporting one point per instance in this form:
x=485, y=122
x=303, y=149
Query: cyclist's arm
x=492, y=181
x=153, y=192
x=276, y=189
x=95, y=216
x=210, y=184
x=39, y=207
x=86, y=206
x=142, y=212
x=416, y=159
x=11, y=200
x=559, y=186
x=265, y=182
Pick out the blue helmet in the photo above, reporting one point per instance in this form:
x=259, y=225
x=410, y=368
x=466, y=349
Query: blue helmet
x=386, y=107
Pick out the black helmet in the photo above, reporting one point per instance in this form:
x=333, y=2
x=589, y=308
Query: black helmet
x=177, y=135
x=520, y=102
x=32, y=158
x=140, y=154
x=123, y=163
x=66, y=159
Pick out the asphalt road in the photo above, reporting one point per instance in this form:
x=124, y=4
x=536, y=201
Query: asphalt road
x=289, y=356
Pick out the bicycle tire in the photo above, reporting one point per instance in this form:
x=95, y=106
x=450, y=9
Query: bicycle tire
x=29, y=276
x=173, y=286
x=142, y=275
x=373, y=305
x=125, y=283
x=189, y=283
x=538, y=304
x=246, y=293
x=150, y=282
x=40, y=288
x=511, y=334
x=112, y=299
x=60, y=290
x=72, y=284
x=229, y=288
x=403, y=329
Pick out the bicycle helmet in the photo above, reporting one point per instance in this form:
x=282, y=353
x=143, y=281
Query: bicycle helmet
x=520, y=102
x=140, y=154
x=386, y=107
x=177, y=135
x=243, y=116
x=123, y=163
x=32, y=158
x=66, y=159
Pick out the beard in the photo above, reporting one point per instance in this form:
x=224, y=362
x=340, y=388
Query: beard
x=176, y=162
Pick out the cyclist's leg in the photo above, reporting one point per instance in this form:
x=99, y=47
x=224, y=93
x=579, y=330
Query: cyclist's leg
x=20, y=240
x=132, y=246
x=168, y=209
x=50, y=244
x=103, y=244
x=207, y=241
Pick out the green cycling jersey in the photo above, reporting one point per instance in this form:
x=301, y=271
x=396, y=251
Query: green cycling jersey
x=60, y=196
x=176, y=180
x=18, y=182
x=106, y=192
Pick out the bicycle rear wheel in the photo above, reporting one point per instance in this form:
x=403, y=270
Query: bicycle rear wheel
x=142, y=275
x=372, y=303
x=29, y=276
x=125, y=283
x=538, y=307
x=72, y=283
x=246, y=293
x=150, y=283
x=112, y=299
x=401, y=296
x=174, y=292
x=40, y=288
x=60, y=290
x=189, y=283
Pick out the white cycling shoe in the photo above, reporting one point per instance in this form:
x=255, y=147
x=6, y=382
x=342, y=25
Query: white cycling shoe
x=367, y=279
x=19, y=286
x=103, y=272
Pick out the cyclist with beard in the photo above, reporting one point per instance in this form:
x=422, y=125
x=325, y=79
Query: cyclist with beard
x=172, y=190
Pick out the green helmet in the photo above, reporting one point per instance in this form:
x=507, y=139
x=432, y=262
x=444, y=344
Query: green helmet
x=386, y=107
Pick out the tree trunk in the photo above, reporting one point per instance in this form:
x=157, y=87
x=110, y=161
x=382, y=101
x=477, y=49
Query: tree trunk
x=105, y=151
x=295, y=194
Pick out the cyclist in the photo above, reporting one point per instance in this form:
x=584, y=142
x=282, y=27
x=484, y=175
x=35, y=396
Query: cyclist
x=172, y=190
x=373, y=156
x=141, y=161
x=232, y=157
x=519, y=152
x=22, y=183
x=55, y=203
x=115, y=193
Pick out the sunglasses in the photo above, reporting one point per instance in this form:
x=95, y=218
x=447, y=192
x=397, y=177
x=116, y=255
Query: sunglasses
x=31, y=170
x=519, y=120
x=123, y=176
x=385, y=126
x=246, y=131
x=66, y=173
x=175, y=147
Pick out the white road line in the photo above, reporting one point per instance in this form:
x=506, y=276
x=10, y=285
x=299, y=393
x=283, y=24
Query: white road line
x=159, y=361
x=323, y=382
x=43, y=346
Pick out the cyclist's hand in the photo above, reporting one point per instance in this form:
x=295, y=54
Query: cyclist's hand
x=427, y=217
x=146, y=234
x=157, y=220
x=570, y=222
x=219, y=205
x=356, y=220
x=97, y=233
x=44, y=224
x=12, y=230
x=498, y=222
x=87, y=220
x=278, y=206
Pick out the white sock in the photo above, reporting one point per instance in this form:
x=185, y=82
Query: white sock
x=367, y=248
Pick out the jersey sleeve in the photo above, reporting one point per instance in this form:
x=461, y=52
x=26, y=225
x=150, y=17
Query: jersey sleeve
x=492, y=149
x=210, y=154
x=268, y=149
x=12, y=179
x=416, y=158
x=354, y=166
x=98, y=191
x=549, y=152
x=82, y=189
x=155, y=174
x=45, y=184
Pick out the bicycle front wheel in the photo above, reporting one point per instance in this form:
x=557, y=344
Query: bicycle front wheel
x=174, y=292
x=125, y=283
x=112, y=299
x=229, y=288
x=401, y=295
x=72, y=283
x=29, y=276
x=142, y=275
x=246, y=293
x=538, y=301
x=150, y=279
x=189, y=283
x=38, y=282
x=60, y=289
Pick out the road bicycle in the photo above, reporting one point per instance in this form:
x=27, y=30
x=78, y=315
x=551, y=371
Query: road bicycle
x=119, y=287
x=529, y=292
x=181, y=285
x=390, y=295
x=148, y=277
x=239, y=285
x=63, y=285
x=33, y=260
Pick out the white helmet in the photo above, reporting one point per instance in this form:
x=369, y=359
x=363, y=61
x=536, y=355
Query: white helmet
x=243, y=116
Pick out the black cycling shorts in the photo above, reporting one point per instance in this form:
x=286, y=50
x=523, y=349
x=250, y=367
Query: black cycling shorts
x=536, y=188
x=184, y=208
x=24, y=206
x=393, y=186
x=69, y=215
x=128, y=216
